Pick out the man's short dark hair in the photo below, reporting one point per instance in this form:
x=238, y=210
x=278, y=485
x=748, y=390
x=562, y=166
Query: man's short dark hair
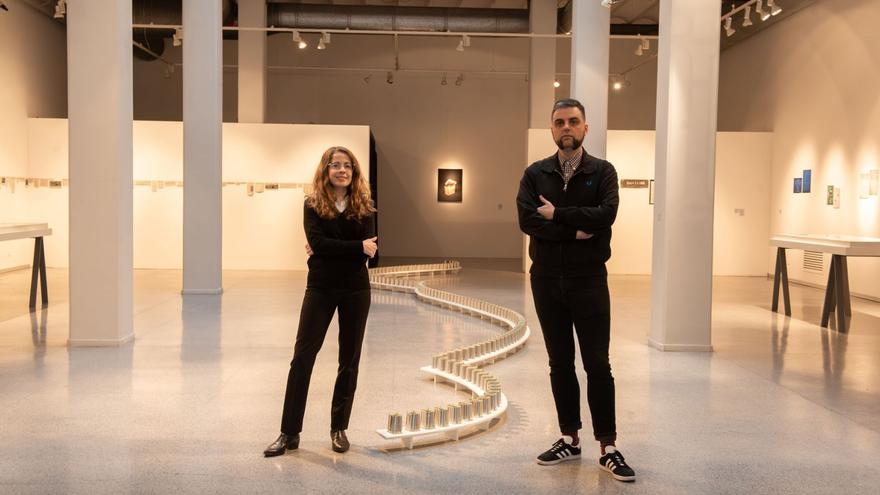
x=569, y=103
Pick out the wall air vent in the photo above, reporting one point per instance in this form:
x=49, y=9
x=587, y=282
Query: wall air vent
x=814, y=261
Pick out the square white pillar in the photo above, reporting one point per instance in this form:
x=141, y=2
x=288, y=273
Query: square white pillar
x=687, y=103
x=202, y=146
x=252, y=62
x=590, y=43
x=542, y=63
x=99, y=85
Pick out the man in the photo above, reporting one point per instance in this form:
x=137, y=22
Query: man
x=567, y=203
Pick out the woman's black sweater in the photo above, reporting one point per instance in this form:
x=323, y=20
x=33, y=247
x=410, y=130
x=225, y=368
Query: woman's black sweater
x=338, y=261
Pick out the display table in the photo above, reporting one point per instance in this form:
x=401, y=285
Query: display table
x=13, y=231
x=840, y=247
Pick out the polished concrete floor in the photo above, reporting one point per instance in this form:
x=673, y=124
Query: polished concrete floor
x=781, y=406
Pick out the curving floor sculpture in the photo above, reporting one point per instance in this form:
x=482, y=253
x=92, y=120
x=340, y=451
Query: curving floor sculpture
x=459, y=367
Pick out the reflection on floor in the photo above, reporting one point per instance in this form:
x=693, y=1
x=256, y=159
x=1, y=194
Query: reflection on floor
x=782, y=406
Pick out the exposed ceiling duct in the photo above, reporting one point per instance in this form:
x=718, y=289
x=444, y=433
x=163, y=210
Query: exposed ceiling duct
x=378, y=18
x=364, y=17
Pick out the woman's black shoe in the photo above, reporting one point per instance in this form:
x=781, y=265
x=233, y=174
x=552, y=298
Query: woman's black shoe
x=339, y=441
x=282, y=444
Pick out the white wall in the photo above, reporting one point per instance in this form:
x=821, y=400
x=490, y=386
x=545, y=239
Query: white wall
x=813, y=79
x=263, y=231
x=32, y=84
x=742, y=176
x=418, y=124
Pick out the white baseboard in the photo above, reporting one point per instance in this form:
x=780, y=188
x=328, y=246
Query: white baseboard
x=202, y=292
x=822, y=288
x=100, y=342
x=680, y=347
x=14, y=268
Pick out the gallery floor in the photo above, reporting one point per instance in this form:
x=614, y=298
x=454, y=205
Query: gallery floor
x=781, y=406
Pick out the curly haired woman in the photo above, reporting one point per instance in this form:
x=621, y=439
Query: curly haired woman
x=340, y=229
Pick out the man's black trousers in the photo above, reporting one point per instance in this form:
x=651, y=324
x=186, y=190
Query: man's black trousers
x=314, y=319
x=582, y=303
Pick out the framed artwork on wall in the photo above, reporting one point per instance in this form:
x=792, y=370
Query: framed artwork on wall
x=807, y=182
x=798, y=185
x=651, y=192
x=449, y=185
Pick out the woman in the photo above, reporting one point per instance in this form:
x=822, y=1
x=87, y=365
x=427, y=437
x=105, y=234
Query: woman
x=340, y=229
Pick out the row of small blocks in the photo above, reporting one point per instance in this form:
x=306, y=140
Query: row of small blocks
x=451, y=362
x=416, y=269
x=473, y=304
x=469, y=372
x=447, y=360
x=441, y=417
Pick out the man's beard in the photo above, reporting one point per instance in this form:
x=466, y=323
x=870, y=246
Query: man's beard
x=575, y=143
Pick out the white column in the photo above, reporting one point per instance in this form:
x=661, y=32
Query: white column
x=590, y=42
x=687, y=102
x=542, y=63
x=252, y=62
x=542, y=94
x=99, y=86
x=202, y=142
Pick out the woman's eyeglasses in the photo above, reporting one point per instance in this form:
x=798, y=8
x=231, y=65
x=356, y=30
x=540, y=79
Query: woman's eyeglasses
x=339, y=166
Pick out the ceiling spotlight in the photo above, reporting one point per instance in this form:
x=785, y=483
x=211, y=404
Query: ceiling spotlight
x=460, y=47
x=177, y=37
x=60, y=9
x=728, y=26
x=619, y=82
x=555, y=84
x=761, y=12
x=646, y=44
x=459, y=80
x=443, y=81
x=298, y=40
x=466, y=40
x=774, y=9
x=640, y=50
x=324, y=41
x=747, y=20
x=3, y=6
x=367, y=79
x=609, y=3
x=389, y=77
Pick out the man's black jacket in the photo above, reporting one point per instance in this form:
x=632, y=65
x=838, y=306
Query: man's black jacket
x=588, y=204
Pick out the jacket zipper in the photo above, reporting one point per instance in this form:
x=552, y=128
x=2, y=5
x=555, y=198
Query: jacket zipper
x=564, y=195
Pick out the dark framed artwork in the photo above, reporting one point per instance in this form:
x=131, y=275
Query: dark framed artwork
x=798, y=185
x=449, y=185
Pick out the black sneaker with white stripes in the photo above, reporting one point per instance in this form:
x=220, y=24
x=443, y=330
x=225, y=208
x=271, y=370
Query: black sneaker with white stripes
x=560, y=451
x=614, y=463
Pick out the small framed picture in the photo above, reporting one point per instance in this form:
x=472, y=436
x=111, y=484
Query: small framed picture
x=651, y=192
x=449, y=185
x=808, y=176
x=798, y=185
